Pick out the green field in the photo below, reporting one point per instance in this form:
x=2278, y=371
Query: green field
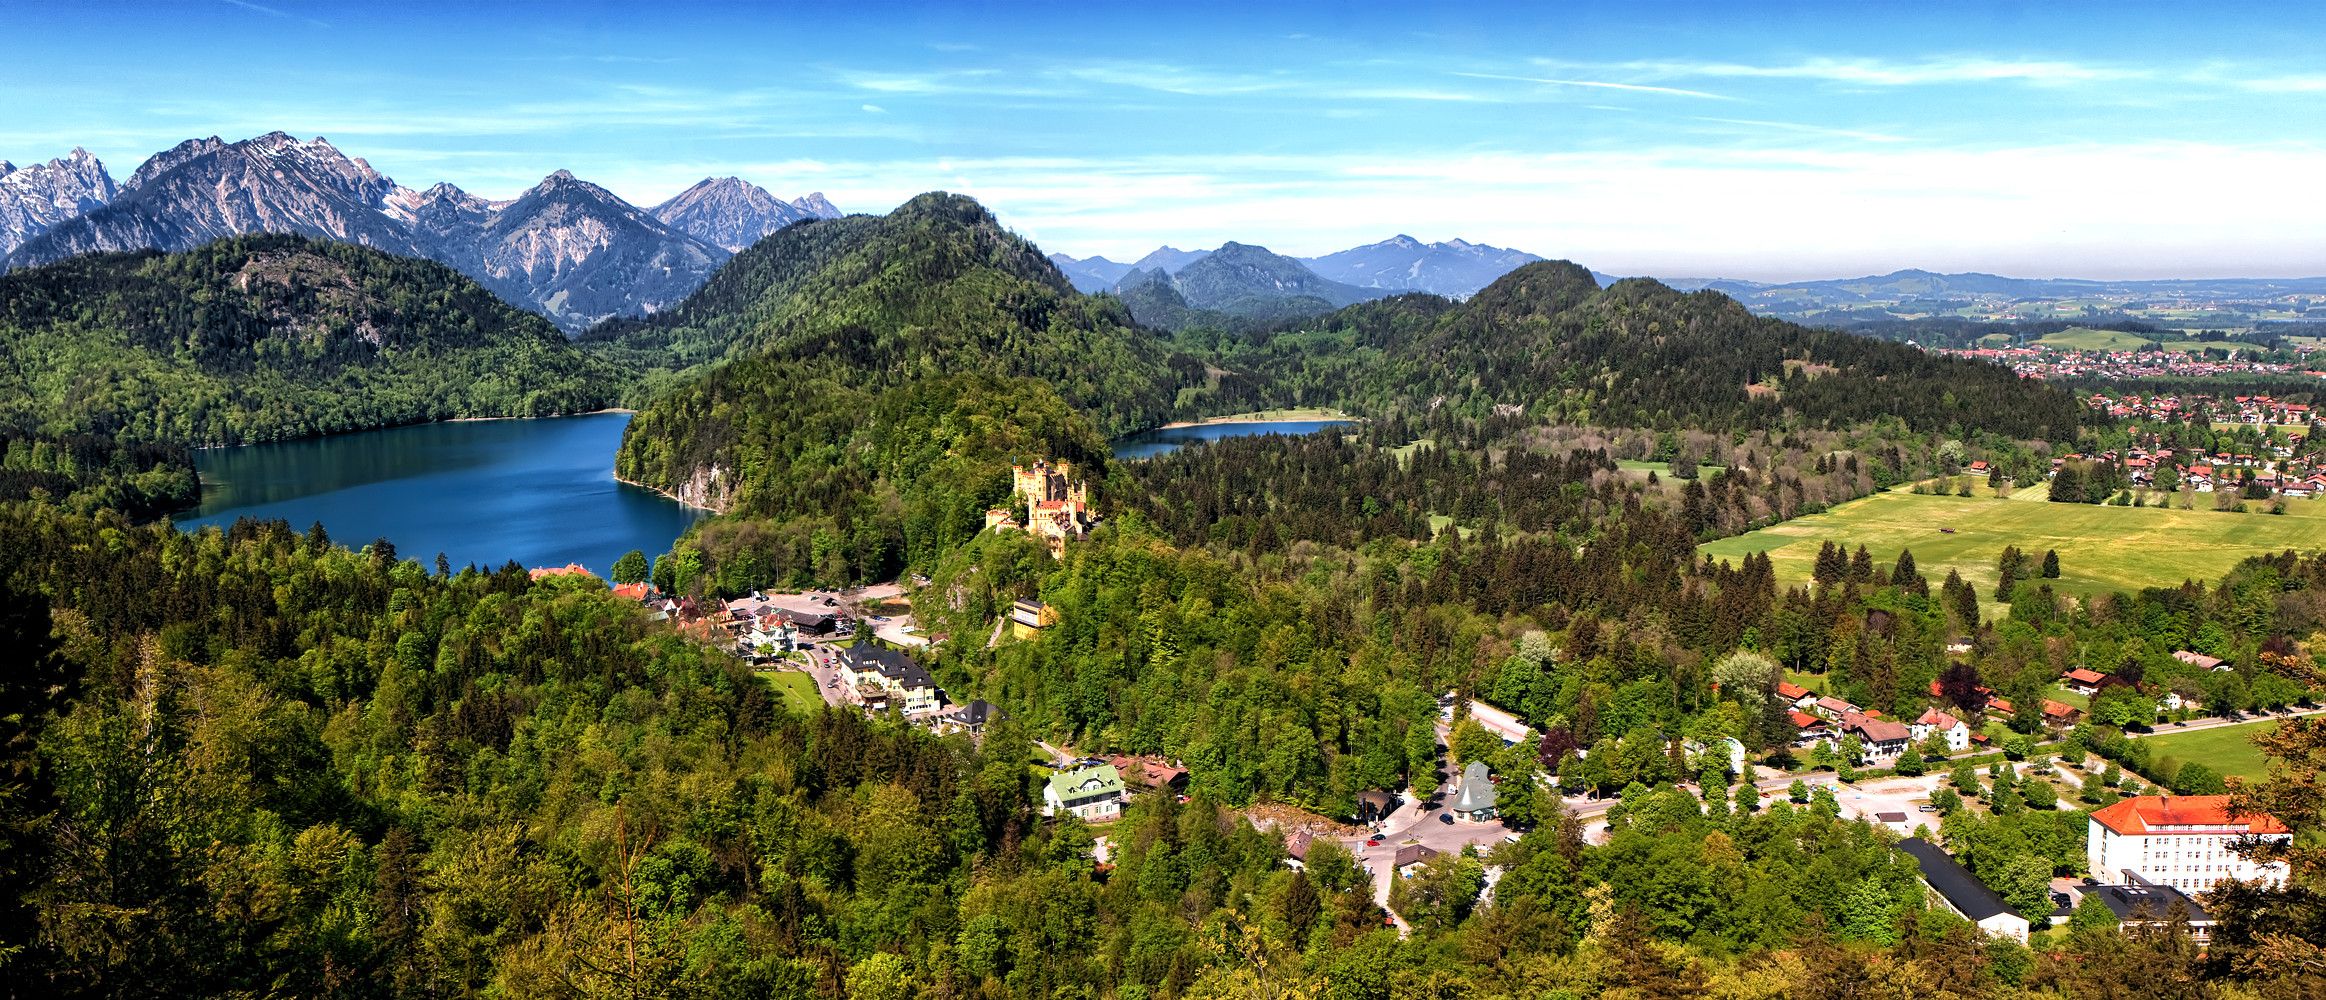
x=2082, y=339
x=2228, y=750
x=798, y=690
x=2101, y=549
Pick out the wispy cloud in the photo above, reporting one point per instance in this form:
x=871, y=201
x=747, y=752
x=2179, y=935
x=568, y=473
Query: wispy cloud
x=271, y=12
x=1871, y=72
x=1821, y=130
x=1601, y=84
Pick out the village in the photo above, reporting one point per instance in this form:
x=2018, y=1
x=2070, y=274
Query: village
x=856, y=650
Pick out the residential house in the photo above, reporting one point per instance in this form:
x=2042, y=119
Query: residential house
x=1475, y=802
x=1151, y=772
x=1795, y=694
x=1296, y=845
x=1956, y=732
x=1883, y=740
x=1959, y=645
x=1410, y=855
x=1955, y=888
x=807, y=622
x=1093, y=793
x=876, y=674
x=2201, y=661
x=972, y=718
x=2083, y=681
x=1835, y=708
x=2060, y=714
x=1812, y=728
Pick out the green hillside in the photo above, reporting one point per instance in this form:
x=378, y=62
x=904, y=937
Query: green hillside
x=1547, y=343
x=267, y=337
x=869, y=302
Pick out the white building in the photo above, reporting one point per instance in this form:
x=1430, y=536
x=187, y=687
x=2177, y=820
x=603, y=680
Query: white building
x=1956, y=732
x=1954, y=887
x=1093, y=793
x=2180, y=841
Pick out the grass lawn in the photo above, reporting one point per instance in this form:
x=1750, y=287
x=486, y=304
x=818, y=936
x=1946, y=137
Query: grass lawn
x=2101, y=549
x=2082, y=339
x=2227, y=750
x=798, y=690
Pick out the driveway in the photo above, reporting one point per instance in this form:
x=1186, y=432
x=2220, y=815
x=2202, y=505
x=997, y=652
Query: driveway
x=827, y=675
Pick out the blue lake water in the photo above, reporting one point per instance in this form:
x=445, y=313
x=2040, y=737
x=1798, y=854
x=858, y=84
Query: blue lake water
x=541, y=492
x=1156, y=442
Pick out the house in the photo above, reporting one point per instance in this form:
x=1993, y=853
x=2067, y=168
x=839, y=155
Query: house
x=1151, y=772
x=2144, y=903
x=1813, y=729
x=635, y=591
x=2171, y=702
x=1956, y=732
x=1033, y=614
x=1959, y=644
x=1373, y=806
x=1795, y=694
x=1296, y=845
x=2180, y=841
x=1896, y=821
x=2201, y=661
x=1728, y=753
x=1999, y=705
x=875, y=676
x=1410, y=855
x=1475, y=802
x=1835, y=708
x=2060, y=714
x=1093, y=793
x=971, y=718
x=1954, y=887
x=1883, y=740
x=2083, y=681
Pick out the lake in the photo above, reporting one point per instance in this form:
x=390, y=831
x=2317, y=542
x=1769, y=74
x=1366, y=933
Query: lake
x=541, y=492
x=1149, y=444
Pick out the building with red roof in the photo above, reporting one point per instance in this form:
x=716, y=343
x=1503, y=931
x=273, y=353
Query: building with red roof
x=2180, y=841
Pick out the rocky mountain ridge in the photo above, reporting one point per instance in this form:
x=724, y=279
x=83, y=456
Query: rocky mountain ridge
x=568, y=249
x=733, y=213
x=35, y=198
x=1454, y=268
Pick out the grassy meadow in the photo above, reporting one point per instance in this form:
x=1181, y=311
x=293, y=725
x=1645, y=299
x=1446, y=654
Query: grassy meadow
x=2228, y=750
x=2101, y=549
x=798, y=690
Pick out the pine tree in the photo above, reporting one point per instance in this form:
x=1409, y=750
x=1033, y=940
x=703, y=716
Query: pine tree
x=2050, y=564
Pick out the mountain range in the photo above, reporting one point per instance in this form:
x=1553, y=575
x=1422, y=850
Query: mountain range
x=567, y=248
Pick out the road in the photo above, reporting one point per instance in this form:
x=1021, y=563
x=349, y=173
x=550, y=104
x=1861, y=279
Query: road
x=2217, y=722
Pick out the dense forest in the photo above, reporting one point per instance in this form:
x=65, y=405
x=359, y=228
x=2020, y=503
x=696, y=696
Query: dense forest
x=253, y=761
x=267, y=337
x=86, y=473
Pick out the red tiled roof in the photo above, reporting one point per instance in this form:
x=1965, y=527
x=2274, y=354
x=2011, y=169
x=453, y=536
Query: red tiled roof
x=2160, y=813
x=1804, y=719
x=1934, y=717
x=2083, y=676
x=1791, y=691
x=2054, y=708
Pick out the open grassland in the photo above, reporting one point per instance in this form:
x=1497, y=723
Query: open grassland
x=2083, y=339
x=2228, y=750
x=2101, y=549
x=798, y=690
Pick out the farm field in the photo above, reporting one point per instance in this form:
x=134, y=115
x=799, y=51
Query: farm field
x=2228, y=750
x=798, y=690
x=2101, y=549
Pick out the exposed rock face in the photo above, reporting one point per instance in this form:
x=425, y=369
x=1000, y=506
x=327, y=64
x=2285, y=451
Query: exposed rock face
x=580, y=255
x=568, y=249
x=33, y=199
x=730, y=212
x=204, y=191
x=816, y=205
x=1455, y=268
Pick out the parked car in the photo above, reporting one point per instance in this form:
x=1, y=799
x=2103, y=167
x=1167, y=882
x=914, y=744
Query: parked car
x=1373, y=841
x=1446, y=818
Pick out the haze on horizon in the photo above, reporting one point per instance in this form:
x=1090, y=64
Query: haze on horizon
x=1769, y=142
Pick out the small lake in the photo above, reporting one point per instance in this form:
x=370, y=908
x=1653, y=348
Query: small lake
x=541, y=492
x=1149, y=444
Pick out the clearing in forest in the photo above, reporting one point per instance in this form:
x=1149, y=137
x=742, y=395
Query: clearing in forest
x=2228, y=750
x=2101, y=549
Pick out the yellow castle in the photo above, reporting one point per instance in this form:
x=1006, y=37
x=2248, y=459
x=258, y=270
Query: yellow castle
x=1057, y=506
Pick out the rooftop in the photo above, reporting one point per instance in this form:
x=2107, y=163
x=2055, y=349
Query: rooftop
x=2180, y=814
x=1962, y=890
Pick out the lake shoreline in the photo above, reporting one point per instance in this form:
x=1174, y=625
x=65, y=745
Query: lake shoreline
x=666, y=494
x=1289, y=417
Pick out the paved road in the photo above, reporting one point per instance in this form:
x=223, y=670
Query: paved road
x=827, y=675
x=2215, y=723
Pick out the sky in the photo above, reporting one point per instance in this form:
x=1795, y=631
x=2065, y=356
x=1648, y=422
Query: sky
x=1765, y=141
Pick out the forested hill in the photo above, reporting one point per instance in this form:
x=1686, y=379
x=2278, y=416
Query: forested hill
x=869, y=302
x=1547, y=342
x=267, y=337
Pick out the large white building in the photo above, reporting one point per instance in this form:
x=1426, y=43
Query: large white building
x=2180, y=841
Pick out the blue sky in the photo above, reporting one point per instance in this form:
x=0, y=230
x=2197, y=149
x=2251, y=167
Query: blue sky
x=1763, y=141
